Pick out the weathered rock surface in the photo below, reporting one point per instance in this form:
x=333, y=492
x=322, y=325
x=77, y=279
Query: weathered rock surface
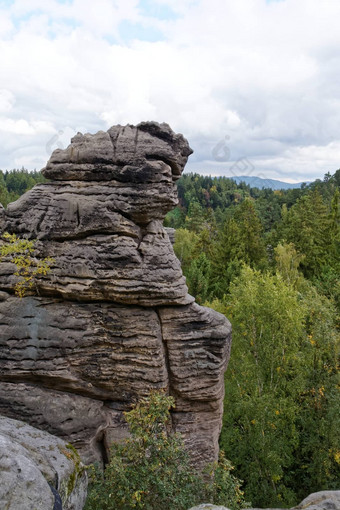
x=99, y=253
x=38, y=469
x=151, y=152
x=113, y=318
x=323, y=500
x=208, y=506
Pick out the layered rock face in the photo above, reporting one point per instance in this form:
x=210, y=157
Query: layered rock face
x=113, y=318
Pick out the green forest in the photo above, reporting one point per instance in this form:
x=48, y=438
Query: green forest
x=14, y=183
x=270, y=261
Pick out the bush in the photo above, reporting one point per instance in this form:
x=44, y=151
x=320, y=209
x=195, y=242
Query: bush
x=151, y=469
x=21, y=253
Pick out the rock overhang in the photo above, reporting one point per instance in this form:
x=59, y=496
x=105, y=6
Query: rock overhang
x=146, y=153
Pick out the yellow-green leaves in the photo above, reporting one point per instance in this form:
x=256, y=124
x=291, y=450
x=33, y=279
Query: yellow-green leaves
x=151, y=469
x=21, y=253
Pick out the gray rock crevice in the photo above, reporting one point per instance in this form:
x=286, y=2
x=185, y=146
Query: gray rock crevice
x=169, y=387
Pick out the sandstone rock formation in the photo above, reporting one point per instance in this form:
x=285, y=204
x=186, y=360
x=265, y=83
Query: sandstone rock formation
x=38, y=470
x=113, y=318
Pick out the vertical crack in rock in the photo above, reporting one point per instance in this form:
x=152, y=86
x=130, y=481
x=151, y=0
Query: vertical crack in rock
x=77, y=214
x=165, y=353
x=113, y=320
x=102, y=448
x=170, y=387
x=136, y=141
x=114, y=137
x=40, y=220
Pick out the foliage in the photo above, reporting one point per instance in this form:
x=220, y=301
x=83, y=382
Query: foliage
x=20, y=252
x=151, y=469
x=241, y=240
x=281, y=401
x=317, y=458
x=282, y=398
x=308, y=225
x=242, y=235
x=198, y=277
x=16, y=182
x=224, y=488
x=185, y=246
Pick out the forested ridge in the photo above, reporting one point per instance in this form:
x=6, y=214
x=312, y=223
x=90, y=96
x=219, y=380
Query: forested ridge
x=270, y=261
x=14, y=183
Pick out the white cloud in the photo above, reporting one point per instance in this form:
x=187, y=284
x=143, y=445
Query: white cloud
x=6, y=101
x=22, y=127
x=6, y=25
x=18, y=127
x=264, y=74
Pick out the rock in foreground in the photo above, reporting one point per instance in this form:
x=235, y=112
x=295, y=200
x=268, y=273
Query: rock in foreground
x=38, y=470
x=208, y=506
x=323, y=500
x=113, y=318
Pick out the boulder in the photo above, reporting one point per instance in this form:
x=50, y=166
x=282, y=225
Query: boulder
x=38, y=470
x=208, y=506
x=113, y=318
x=323, y=500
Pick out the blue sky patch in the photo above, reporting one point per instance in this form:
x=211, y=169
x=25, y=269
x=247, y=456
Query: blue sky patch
x=6, y=3
x=151, y=9
x=129, y=31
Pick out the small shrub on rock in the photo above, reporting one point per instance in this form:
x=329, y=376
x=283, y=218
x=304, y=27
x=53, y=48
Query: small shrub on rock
x=151, y=469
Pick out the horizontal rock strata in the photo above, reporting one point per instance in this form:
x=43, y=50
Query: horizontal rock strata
x=113, y=318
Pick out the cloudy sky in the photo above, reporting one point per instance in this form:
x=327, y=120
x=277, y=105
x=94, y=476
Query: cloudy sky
x=253, y=84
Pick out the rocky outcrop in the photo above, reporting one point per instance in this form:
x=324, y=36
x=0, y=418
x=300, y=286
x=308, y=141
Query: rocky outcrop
x=208, y=506
x=113, y=318
x=38, y=470
x=323, y=500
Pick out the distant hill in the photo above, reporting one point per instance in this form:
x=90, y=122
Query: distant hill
x=258, y=182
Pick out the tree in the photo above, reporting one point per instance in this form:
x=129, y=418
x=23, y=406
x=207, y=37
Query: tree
x=242, y=235
x=175, y=218
x=15, y=182
x=307, y=224
x=195, y=217
x=317, y=458
x=241, y=242
x=4, y=195
x=185, y=246
x=258, y=431
x=281, y=399
x=151, y=469
x=288, y=262
x=198, y=278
